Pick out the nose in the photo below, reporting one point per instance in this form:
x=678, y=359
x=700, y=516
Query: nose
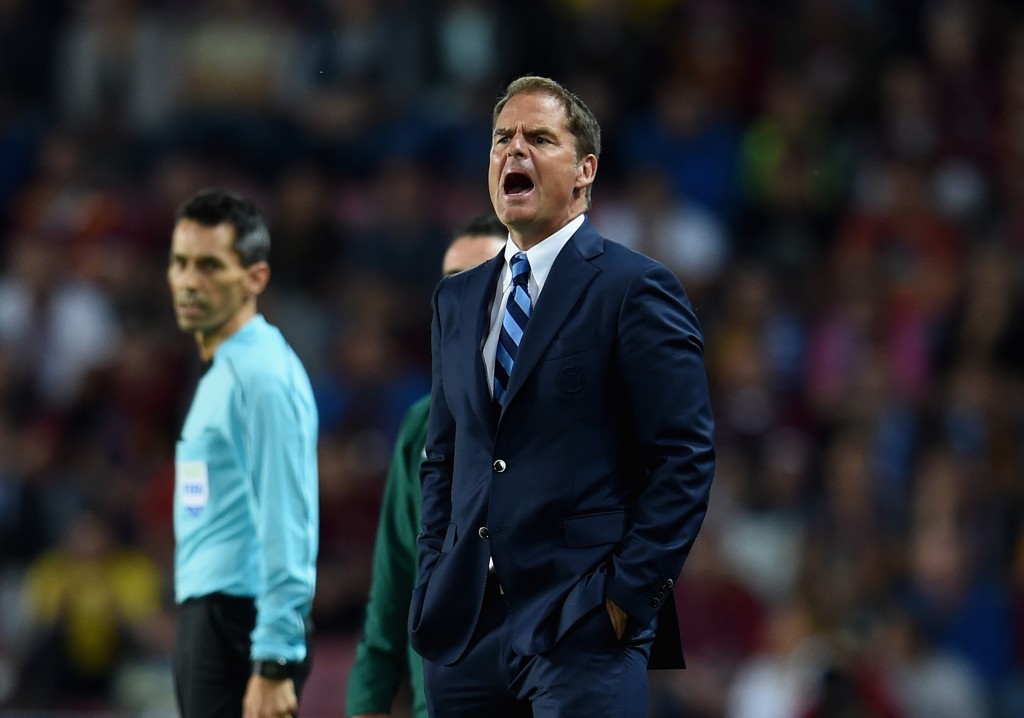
x=516, y=145
x=184, y=276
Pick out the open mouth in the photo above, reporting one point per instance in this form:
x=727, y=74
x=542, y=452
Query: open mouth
x=517, y=183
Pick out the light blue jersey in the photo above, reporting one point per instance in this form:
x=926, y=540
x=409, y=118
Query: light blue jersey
x=246, y=516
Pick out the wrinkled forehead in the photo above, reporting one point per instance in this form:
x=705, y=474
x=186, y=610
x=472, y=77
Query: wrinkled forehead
x=532, y=109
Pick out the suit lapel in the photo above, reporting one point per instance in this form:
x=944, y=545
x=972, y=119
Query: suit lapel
x=569, y=276
x=476, y=318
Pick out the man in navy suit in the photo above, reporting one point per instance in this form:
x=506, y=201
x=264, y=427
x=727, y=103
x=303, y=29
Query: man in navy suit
x=569, y=454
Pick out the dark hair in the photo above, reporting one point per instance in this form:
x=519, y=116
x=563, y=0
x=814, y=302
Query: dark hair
x=483, y=225
x=579, y=120
x=211, y=207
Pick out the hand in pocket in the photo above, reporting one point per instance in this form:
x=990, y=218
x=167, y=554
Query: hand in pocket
x=617, y=616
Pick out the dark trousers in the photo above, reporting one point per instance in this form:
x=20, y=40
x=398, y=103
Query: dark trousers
x=211, y=656
x=588, y=674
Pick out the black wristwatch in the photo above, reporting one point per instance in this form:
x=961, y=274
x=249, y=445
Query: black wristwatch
x=276, y=670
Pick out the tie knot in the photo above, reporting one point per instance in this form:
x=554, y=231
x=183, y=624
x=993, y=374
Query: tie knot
x=520, y=267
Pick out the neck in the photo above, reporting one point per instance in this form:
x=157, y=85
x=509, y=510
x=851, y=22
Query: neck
x=209, y=342
x=207, y=347
x=528, y=237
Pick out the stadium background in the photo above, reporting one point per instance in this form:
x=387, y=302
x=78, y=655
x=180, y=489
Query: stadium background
x=838, y=183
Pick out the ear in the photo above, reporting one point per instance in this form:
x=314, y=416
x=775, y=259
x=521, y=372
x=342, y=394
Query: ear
x=586, y=171
x=257, y=275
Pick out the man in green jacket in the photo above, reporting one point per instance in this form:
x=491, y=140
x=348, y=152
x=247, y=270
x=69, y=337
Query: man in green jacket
x=384, y=657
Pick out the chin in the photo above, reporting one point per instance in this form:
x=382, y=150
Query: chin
x=513, y=217
x=187, y=325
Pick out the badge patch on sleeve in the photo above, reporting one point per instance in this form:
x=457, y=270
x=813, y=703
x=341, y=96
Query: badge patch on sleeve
x=194, y=484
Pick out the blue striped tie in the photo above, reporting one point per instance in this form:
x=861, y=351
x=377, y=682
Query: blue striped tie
x=513, y=324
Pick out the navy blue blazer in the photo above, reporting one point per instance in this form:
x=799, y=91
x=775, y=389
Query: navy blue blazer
x=592, y=482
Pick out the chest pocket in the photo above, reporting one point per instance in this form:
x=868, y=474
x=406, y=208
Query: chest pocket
x=562, y=347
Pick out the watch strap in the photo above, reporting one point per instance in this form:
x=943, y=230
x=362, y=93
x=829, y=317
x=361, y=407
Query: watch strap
x=276, y=669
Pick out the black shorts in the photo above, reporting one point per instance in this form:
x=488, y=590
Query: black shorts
x=211, y=655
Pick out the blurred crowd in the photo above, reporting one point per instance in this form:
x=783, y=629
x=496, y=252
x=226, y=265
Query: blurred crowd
x=838, y=183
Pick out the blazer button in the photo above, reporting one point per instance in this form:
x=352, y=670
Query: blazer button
x=655, y=603
x=484, y=533
x=499, y=466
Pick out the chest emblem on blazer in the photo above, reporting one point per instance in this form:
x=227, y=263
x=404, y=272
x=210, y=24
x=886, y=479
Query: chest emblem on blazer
x=570, y=380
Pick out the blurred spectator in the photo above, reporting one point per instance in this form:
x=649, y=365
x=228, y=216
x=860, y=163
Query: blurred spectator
x=37, y=498
x=113, y=71
x=794, y=172
x=368, y=383
x=309, y=250
x=695, y=142
x=926, y=682
x=362, y=395
x=722, y=624
x=235, y=57
x=56, y=327
x=401, y=234
x=764, y=535
x=960, y=610
x=651, y=218
x=351, y=482
x=619, y=41
x=467, y=33
x=955, y=47
x=93, y=605
x=234, y=61
x=851, y=682
x=896, y=227
x=849, y=547
x=357, y=67
x=469, y=43
x=780, y=680
x=309, y=257
x=907, y=127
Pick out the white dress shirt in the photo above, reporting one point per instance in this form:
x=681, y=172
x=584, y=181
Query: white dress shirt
x=541, y=256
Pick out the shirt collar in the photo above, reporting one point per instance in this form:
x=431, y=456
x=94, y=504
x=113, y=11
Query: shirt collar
x=240, y=337
x=542, y=255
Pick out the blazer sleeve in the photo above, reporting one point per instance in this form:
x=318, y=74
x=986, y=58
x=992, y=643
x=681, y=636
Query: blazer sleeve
x=661, y=360
x=382, y=655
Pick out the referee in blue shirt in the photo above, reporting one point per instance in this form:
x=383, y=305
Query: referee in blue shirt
x=245, y=501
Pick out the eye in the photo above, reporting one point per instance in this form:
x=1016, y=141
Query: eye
x=208, y=264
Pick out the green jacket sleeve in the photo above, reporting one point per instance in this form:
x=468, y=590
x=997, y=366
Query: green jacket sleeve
x=383, y=655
